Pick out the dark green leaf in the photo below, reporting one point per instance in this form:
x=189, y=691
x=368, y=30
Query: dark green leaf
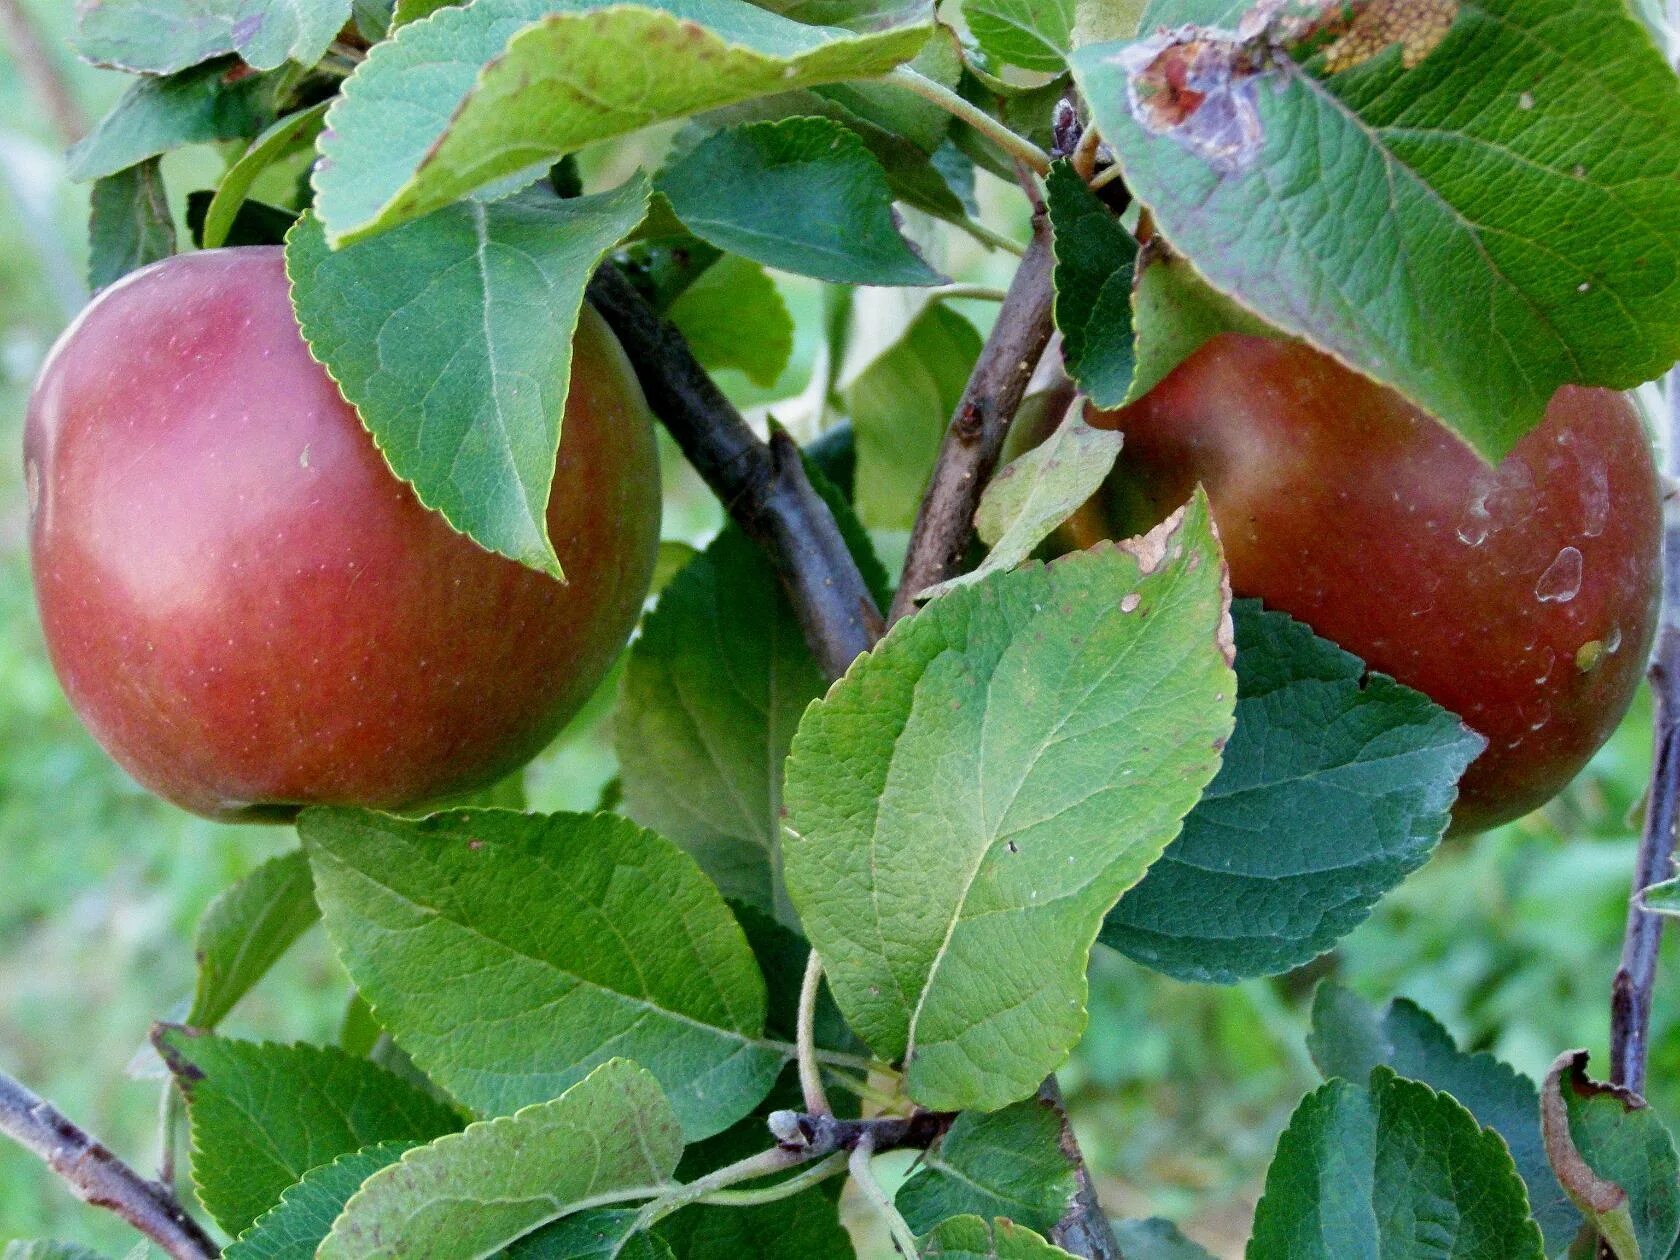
x=559, y=76
x=1614, y=1158
x=1002, y=1163
x=973, y=796
x=162, y=36
x=610, y=1136
x=245, y=931
x=596, y=1234
x=900, y=406
x=1386, y=211
x=453, y=338
x=1349, y=1038
x=733, y=316
x=292, y=132
x=510, y=954
x=293, y=1228
x=737, y=188
x=1094, y=261
x=262, y=1115
x=706, y=713
x=1335, y=786
x=156, y=115
x=255, y=222
x=1393, y=1170
x=129, y=223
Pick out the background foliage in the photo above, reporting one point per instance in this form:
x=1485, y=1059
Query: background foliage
x=1178, y=1091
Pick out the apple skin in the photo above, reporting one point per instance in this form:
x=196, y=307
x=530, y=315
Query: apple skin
x=252, y=613
x=1523, y=597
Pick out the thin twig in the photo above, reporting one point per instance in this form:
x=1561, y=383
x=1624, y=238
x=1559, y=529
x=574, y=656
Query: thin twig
x=1084, y=1229
x=975, y=437
x=1102, y=179
x=169, y=1126
x=1016, y=146
x=42, y=73
x=761, y=485
x=97, y=1176
x=863, y=1175
x=810, y=1076
x=1630, y=994
x=967, y=292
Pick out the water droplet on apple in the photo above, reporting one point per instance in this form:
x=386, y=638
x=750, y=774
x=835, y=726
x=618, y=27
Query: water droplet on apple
x=1561, y=581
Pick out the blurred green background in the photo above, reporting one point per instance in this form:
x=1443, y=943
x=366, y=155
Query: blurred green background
x=1178, y=1091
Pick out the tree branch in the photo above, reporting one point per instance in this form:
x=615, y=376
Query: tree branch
x=97, y=1176
x=1636, y=977
x=38, y=69
x=762, y=486
x=1084, y=1229
x=974, y=439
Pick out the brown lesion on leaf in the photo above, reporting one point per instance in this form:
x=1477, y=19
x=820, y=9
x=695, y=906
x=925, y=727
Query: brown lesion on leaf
x=1199, y=84
x=1418, y=26
x=1588, y=1190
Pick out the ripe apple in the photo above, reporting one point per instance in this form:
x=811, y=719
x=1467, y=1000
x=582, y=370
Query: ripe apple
x=245, y=605
x=1522, y=597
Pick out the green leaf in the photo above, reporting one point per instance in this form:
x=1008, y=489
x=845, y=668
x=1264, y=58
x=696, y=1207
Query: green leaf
x=1393, y=1170
x=408, y=11
x=1094, y=261
x=510, y=954
x=975, y=1238
x=129, y=224
x=163, y=36
x=1662, y=898
x=806, y=1225
x=1098, y=21
x=1614, y=1159
x=1033, y=34
x=293, y=1228
x=595, y=1234
x=1349, y=1038
x=706, y=713
x=246, y=930
x=1336, y=785
x=1174, y=313
x=453, y=338
x=156, y=115
x=1001, y=1163
x=556, y=76
x=733, y=316
x=262, y=1115
x=255, y=223
x=737, y=187
x=373, y=18
x=1155, y=1239
x=610, y=1137
x=1388, y=214
x=977, y=791
x=291, y=132
x=1025, y=502
x=900, y=406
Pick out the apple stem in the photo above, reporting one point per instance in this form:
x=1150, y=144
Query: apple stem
x=97, y=1176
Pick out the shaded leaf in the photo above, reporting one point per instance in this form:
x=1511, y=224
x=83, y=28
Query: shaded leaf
x=1001, y=1163
x=968, y=801
x=1393, y=1170
x=262, y=1115
x=555, y=77
x=1613, y=1157
x=293, y=1228
x=736, y=188
x=1095, y=256
x=900, y=406
x=1349, y=1038
x=156, y=115
x=1174, y=313
x=608, y=1137
x=453, y=339
x=254, y=223
x=291, y=132
x=1155, y=1239
x=510, y=954
x=595, y=1234
x=1387, y=213
x=246, y=930
x=129, y=223
x=975, y=1238
x=733, y=316
x=1335, y=786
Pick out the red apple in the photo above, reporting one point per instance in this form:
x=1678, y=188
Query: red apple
x=245, y=605
x=1522, y=597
